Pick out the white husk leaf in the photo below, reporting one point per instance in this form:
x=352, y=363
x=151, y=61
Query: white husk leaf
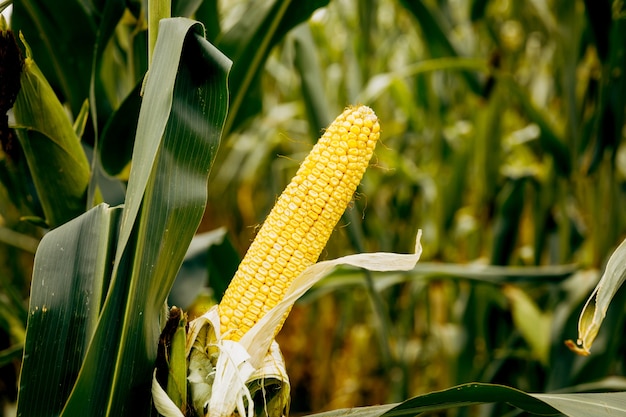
x=597, y=304
x=162, y=402
x=223, y=387
x=232, y=371
x=258, y=338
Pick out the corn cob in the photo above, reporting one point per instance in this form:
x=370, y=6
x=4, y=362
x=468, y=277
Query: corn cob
x=298, y=227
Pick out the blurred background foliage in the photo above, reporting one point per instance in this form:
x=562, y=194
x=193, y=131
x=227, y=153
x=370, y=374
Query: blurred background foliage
x=503, y=127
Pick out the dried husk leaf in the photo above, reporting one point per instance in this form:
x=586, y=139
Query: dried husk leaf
x=598, y=302
x=224, y=375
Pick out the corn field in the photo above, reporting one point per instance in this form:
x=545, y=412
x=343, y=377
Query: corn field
x=145, y=143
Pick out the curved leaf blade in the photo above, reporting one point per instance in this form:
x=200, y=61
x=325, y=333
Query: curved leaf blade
x=63, y=48
x=597, y=304
x=438, y=41
x=55, y=157
x=587, y=404
x=115, y=145
x=573, y=405
x=180, y=124
x=372, y=411
x=551, y=140
x=470, y=394
x=249, y=42
x=69, y=282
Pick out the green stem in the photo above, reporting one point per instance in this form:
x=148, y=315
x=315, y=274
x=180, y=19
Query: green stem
x=157, y=10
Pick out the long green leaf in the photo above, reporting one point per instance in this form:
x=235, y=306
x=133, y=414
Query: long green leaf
x=115, y=145
x=609, y=115
x=459, y=396
x=531, y=322
x=55, y=157
x=180, y=124
x=69, y=283
x=248, y=44
x=101, y=108
x=470, y=394
x=373, y=411
x=381, y=82
x=208, y=13
x=13, y=353
x=573, y=405
x=110, y=15
x=436, y=38
x=599, y=16
x=308, y=66
x=510, y=205
x=587, y=404
x=62, y=35
x=550, y=140
x=211, y=259
x=477, y=9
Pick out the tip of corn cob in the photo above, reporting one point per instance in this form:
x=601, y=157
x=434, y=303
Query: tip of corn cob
x=298, y=227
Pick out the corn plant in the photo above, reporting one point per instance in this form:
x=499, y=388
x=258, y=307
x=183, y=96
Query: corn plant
x=106, y=158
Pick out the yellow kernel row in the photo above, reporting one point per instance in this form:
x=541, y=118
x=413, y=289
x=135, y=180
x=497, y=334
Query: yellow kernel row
x=298, y=227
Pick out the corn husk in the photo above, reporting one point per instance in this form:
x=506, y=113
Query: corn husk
x=225, y=375
x=597, y=304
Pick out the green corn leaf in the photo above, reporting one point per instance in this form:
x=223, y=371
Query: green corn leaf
x=609, y=116
x=470, y=394
x=14, y=353
x=69, y=284
x=68, y=38
x=55, y=157
x=211, y=258
x=379, y=83
x=436, y=38
x=101, y=108
x=223, y=261
x=372, y=411
x=307, y=64
x=487, y=148
x=550, y=140
x=531, y=322
x=599, y=16
x=506, y=228
x=587, y=404
x=115, y=145
x=180, y=124
x=81, y=120
x=477, y=9
x=248, y=44
x=492, y=274
x=208, y=13
x=62, y=35
x=573, y=405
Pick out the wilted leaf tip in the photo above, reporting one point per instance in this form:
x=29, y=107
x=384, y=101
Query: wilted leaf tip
x=577, y=347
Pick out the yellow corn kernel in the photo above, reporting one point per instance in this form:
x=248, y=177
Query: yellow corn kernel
x=298, y=227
